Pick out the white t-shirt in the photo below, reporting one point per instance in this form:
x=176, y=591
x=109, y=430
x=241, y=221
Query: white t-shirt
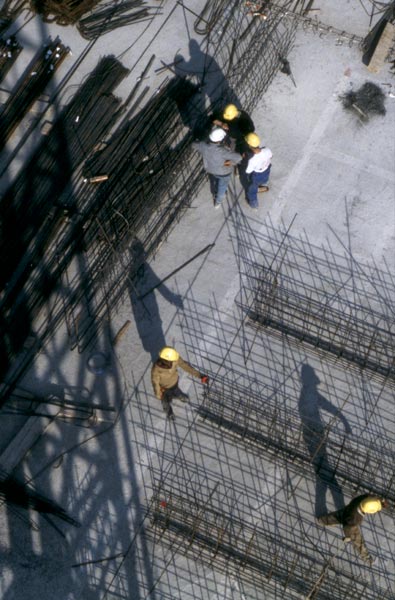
x=259, y=162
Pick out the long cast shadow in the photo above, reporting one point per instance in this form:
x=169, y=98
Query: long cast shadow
x=315, y=432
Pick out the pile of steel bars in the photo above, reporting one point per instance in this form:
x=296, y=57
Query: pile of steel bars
x=110, y=16
x=9, y=52
x=32, y=211
x=30, y=86
x=65, y=12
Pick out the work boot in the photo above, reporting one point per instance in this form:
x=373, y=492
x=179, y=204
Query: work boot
x=170, y=416
x=263, y=188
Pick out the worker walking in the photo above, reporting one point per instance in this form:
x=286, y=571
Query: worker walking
x=164, y=377
x=351, y=517
x=258, y=168
x=218, y=161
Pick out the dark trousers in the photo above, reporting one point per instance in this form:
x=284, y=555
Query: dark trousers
x=353, y=532
x=255, y=180
x=169, y=395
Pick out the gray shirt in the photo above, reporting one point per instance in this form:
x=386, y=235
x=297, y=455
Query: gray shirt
x=214, y=156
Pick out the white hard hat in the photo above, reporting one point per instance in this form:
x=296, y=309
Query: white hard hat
x=217, y=134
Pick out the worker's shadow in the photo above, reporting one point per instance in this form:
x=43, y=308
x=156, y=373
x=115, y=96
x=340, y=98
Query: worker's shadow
x=212, y=87
x=146, y=310
x=315, y=435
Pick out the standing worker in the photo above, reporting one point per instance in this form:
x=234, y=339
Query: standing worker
x=258, y=168
x=351, y=517
x=218, y=161
x=164, y=377
x=236, y=122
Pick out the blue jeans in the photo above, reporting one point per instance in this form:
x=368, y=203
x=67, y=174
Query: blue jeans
x=218, y=186
x=254, y=181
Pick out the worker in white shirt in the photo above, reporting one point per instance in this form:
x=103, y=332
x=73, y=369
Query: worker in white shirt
x=258, y=169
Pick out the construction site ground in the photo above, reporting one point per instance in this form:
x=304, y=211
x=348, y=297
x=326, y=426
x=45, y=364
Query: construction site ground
x=331, y=203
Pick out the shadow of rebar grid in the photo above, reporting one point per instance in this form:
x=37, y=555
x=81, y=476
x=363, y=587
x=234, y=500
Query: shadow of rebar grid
x=71, y=261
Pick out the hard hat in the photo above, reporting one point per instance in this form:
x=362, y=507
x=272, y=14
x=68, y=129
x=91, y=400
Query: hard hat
x=230, y=112
x=217, y=134
x=371, y=505
x=169, y=354
x=252, y=140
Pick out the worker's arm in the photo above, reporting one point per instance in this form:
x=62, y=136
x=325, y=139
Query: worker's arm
x=155, y=379
x=188, y=368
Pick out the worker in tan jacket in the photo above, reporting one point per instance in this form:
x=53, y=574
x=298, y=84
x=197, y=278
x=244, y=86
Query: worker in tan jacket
x=164, y=377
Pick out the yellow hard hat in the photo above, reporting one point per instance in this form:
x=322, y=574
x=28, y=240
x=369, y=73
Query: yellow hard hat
x=230, y=112
x=252, y=140
x=169, y=353
x=371, y=505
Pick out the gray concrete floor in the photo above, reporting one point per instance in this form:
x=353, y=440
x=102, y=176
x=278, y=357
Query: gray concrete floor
x=333, y=179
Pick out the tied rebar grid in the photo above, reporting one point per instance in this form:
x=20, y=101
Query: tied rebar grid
x=341, y=316
x=247, y=48
x=206, y=524
x=30, y=86
x=262, y=422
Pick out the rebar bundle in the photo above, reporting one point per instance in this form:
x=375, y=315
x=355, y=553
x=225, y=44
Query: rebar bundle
x=9, y=52
x=11, y=9
x=110, y=16
x=62, y=12
x=30, y=87
x=33, y=207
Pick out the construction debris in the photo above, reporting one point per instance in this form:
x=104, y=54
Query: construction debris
x=368, y=99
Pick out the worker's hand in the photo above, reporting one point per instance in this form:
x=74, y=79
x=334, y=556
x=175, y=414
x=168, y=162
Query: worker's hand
x=204, y=379
x=228, y=163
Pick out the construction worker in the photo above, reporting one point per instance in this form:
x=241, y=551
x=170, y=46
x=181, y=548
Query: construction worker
x=218, y=161
x=237, y=124
x=164, y=377
x=351, y=517
x=258, y=168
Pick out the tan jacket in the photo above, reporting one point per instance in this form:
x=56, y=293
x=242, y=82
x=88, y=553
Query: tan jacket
x=163, y=379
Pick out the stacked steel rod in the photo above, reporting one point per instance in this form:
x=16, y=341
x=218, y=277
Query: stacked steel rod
x=9, y=52
x=33, y=207
x=111, y=16
x=30, y=87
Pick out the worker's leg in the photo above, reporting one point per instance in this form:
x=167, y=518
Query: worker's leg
x=223, y=182
x=166, y=403
x=332, y=518
x=252, y=190
x=177, y=393
x=353, y=534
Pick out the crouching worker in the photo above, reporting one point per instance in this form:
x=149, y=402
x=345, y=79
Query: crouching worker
x=164, y=377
